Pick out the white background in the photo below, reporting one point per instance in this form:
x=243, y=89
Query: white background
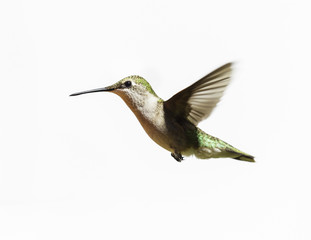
x=83, y=168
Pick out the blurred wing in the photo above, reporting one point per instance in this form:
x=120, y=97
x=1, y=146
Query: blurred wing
x=197, y=101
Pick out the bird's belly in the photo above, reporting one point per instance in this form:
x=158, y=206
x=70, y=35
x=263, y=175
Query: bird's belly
x=158, y=135
x=157, y=131
x=166, y=132
x=170, y=136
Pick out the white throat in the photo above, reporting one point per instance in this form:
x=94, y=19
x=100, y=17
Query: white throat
x=147, y=104
x=149, y=108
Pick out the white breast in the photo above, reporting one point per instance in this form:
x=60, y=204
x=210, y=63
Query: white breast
x=149, y=111
x=152, y=110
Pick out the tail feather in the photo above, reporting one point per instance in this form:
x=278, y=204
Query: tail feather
x=212, y=147
x=239, y=155
x=245, y=157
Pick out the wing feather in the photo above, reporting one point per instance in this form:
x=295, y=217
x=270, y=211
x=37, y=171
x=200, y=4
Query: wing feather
x=197, y=101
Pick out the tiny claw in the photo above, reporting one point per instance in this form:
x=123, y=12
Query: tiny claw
x=178, y=157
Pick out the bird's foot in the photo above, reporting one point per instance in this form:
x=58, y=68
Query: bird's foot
x=178, y=157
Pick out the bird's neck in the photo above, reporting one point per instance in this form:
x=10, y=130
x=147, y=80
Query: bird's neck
x=147, y=107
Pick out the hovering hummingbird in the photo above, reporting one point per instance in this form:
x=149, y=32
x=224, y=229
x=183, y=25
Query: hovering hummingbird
x=172, y=124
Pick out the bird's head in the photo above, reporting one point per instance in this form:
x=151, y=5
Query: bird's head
x=133, y=90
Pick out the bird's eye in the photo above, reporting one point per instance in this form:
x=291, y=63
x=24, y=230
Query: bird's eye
x=128, y=83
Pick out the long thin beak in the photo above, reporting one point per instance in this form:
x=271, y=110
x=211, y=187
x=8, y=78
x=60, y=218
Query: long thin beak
x=105, y=89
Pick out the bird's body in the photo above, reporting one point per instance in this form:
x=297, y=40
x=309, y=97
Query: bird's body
x=172, y=123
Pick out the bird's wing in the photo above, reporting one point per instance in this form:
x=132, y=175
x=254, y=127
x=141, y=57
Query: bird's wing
x=197, y=101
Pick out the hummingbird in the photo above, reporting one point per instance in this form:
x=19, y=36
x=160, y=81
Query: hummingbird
x=172, y=124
